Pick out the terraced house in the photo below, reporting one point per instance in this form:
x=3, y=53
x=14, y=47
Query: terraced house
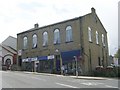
x=49, y=48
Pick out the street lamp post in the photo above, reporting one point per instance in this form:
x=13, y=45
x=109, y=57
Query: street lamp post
x=76, y=66
x=57, y=50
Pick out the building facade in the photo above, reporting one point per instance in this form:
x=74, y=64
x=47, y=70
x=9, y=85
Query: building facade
x=47, y=49
x=8, y=52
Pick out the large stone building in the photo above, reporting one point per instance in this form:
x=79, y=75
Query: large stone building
x=48, y=48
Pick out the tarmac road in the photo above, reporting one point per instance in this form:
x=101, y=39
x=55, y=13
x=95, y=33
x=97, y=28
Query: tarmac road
x=32, y=80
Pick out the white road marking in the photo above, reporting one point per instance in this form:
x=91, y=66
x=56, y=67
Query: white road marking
x=39, y=79
x=91, y=83
x=66, y=85
x=110, y=86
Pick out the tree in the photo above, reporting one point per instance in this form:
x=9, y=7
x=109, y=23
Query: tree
x=117, y=55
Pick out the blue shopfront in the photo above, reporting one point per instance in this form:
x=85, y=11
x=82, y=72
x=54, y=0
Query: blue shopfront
x=68, y=60
x=53, y=63
x=45, y=64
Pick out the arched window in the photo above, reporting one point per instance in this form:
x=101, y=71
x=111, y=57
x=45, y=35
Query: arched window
x=56, y=36
x=34, y=41
x=68, y=34
x=97, y=38
x=90, y=34
x=45, y=39
x=103, y=40
x=25, y=42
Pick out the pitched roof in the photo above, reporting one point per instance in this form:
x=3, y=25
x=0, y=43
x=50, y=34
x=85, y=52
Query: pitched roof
x=9, y=49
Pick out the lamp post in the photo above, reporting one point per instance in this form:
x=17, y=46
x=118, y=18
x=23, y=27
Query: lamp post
x=57, y=51
x=76, y=66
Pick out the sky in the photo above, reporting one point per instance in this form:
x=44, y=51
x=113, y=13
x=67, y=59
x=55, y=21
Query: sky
x=20, y=15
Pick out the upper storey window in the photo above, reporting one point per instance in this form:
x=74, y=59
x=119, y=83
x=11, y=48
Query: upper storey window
x=25, y=42
x=34, y=41
x=90, y=34
x=56, y=36
x=45, y=39
x=103, y=39
x=68, y=34
x=97, y=38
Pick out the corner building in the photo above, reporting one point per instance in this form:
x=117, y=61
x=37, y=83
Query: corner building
x=49, y=48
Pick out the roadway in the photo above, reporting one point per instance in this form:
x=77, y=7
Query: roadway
x=31, y=80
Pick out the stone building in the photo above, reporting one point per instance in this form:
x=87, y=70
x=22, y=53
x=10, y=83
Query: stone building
x=81, y=40
x=8, y=52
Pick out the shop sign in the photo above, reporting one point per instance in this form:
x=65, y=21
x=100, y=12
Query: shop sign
x=19, y=52
x=51, y=57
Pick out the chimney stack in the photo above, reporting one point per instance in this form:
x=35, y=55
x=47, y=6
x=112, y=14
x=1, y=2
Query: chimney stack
x=93, y=10
x=36, y=25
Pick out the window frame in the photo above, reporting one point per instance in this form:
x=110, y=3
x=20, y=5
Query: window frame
x=25, y=42
x=45, y=41
x=57, y=36
x=34, y=40
x=103, y=40
x=89, y=34
x=69, y=34
x=97, y=37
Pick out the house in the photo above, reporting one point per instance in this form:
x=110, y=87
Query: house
x=8, y=52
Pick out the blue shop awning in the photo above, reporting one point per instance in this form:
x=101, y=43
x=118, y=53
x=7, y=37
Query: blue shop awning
x=69, y=55
x=43, y=58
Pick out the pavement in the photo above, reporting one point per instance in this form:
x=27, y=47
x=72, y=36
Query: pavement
x=76, y=77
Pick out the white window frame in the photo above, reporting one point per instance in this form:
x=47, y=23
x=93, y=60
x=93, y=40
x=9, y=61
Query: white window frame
x=56, y=36
x=90, y=34
x=45, y=38
x=103, y=39
x=97, y=37
x=25, y=42
x=34, y=41
x=69, y=37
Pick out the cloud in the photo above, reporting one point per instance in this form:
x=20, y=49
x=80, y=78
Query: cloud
x=20, y=15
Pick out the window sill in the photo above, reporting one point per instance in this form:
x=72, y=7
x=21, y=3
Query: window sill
x=98, y=44
x=90, y=42
x=24, y=49
x=68, y=41
x=56, y=43
x=34, y=47
x=45, y=45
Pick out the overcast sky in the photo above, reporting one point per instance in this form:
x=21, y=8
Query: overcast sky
x=20, y=15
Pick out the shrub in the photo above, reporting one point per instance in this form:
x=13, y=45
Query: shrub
x=107, y=72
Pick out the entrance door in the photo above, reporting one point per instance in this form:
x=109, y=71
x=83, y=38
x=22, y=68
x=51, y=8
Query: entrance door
x=58, y=64
x=8, y=63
